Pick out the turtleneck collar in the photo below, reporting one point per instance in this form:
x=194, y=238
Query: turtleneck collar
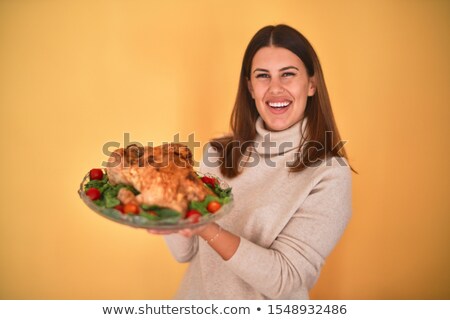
x=278, y=142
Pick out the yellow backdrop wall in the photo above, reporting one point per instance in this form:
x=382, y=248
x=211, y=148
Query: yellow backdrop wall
x=77, y=74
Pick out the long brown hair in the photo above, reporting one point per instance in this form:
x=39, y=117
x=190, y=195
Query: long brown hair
x=321, y=130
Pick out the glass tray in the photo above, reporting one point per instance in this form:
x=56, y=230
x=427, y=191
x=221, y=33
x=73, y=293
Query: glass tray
x=173, y=224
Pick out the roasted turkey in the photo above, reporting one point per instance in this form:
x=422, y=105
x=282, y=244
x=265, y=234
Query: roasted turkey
x=163, y=175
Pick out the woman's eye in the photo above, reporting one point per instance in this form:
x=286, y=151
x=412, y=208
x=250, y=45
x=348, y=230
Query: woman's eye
x=288, y=74
x=262, y=75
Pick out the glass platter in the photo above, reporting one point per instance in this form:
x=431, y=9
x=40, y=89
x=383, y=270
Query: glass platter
x=168, y=224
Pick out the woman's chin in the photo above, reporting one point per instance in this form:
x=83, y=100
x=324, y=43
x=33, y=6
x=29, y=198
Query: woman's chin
x=279, y=124
x=276, y=125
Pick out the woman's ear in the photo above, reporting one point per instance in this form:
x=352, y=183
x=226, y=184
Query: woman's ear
x=312, y=86
x=250, y=88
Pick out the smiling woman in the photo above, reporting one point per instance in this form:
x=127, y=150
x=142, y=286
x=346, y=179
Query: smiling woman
x=290, y=208
x=282, y=83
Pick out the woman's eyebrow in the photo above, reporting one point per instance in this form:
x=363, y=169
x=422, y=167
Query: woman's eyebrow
x=282, y=69
x=259, y=69
x=290, y=67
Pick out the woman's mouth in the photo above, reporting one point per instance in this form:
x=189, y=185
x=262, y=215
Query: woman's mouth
x=279, y=104
x=278, y=107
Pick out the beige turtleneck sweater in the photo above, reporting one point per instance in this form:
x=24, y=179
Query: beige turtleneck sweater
x=288, y=223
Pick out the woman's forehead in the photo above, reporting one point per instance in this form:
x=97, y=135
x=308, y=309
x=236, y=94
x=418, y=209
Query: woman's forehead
x=275, y=58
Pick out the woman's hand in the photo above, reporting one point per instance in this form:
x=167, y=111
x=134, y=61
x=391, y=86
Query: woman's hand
x=160, y=232
x=222, y=241
x=184, y=232
x=192, y=232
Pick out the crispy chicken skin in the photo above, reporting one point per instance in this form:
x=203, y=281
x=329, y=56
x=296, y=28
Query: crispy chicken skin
x=164, y=175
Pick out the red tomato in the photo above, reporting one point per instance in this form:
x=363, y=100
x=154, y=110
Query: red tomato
x=131, y=208
x=96, y=174
x=93, y=193
x=208, y=180
x=193, y=215
x=120, y=208
x=213, y=206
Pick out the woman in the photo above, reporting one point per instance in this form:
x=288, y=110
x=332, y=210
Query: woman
x=291, y=182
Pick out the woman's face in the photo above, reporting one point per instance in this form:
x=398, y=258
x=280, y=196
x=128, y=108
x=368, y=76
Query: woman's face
x=280, y=86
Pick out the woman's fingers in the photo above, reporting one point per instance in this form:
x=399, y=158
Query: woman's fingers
x=184, y=232
x=160, y=232
x=193, y=231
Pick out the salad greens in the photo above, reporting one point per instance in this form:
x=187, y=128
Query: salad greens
x=108, y=192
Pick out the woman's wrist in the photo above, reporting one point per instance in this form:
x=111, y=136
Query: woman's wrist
x=210, y=233
x=222, y=241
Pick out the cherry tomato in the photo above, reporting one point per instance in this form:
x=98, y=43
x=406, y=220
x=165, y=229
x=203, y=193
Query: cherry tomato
x=93, y=194
x=208, y=180
x=193, y=215
x=96, y=174
x=213, y=206
x=131, y=208
x=120, y=208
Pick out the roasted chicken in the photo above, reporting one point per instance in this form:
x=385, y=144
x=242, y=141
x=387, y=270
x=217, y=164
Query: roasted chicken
x=163, y=175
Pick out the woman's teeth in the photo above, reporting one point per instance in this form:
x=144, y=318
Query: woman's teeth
x=279, y=104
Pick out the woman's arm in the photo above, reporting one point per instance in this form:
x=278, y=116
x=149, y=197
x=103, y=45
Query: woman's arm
x=223, y=242
x=184, y=244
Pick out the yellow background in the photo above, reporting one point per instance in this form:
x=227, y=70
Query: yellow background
x=77, y=74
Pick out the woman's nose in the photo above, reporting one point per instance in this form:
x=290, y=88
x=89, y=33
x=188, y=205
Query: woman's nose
x=276, y=87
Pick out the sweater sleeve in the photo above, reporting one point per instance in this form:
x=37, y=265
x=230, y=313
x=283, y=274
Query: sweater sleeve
x=183, y=249
x=297, y=254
